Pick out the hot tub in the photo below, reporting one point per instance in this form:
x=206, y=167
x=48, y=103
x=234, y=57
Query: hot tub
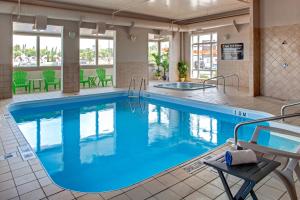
x=184, y=86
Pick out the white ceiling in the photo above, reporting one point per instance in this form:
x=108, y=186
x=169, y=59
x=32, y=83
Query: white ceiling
x=172, y=9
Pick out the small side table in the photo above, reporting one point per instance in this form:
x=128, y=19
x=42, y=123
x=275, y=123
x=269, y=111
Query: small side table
x=250, y=173
x=92, y=81
x=36, y=84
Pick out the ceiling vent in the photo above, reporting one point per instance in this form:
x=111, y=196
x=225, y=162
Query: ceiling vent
x=40, y=23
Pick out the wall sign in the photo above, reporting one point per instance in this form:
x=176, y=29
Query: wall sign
x=232, y=51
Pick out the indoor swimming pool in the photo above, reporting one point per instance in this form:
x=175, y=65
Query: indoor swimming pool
x=107, y=142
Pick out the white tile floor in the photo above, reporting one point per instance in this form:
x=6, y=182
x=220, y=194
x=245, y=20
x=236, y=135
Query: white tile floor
x=21, y=179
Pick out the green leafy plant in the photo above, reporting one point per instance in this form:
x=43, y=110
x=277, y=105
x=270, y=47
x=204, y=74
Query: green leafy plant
x=165, y=65
x=182, y=69
x=157, y=59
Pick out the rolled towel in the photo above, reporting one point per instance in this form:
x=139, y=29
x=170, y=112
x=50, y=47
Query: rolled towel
x=239, y=157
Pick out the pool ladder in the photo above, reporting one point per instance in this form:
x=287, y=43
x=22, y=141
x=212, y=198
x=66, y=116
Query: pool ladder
x=132, y=87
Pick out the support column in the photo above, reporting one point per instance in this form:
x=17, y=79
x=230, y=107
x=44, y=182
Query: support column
x=6, y=66
x=175, y=56
x=71, y=67
x=131, y=56
x=254, y=55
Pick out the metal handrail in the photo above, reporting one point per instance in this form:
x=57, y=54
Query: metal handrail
x=235, y=75
x=143, y=82
x=236, y=128
x=132, y=84
x=287, y=106
x=217, y=77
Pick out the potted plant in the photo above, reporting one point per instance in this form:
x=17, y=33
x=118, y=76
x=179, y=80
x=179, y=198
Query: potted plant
x=182, y=69
x=157, y=60
x=165, y=65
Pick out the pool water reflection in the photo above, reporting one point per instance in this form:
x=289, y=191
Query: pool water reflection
x=109, y=144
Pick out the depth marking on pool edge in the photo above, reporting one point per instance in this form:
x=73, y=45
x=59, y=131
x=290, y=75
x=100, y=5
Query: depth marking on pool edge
x=195, y=166
x=26, y=152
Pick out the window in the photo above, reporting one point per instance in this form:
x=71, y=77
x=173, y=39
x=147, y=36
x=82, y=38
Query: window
x=93, y=48
x=164, y=47
x=159, y=45
x=24, y=51
x=105, y=51
x=204, y=56
x=152, y=49
x=50, y=51
x=87, y=51
x=36, y=49
x=26, y=47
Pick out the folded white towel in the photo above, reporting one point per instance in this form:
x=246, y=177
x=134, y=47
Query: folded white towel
x=239, y=157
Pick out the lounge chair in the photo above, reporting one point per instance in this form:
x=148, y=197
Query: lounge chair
x=103, y=78
x=82, y=80
x=292, y=165
x=20, y=80
x=50, y=79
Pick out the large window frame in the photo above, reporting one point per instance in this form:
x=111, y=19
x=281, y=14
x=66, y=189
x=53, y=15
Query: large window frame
x=97, y=38
x=212, y=71
x=159, y=48
x=38, y=35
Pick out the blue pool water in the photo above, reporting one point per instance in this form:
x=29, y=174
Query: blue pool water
x=103, y=145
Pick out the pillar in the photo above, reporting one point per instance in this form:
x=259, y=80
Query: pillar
x=71, y=67
x=254, y=55
x=6, y=67
x=131, y=56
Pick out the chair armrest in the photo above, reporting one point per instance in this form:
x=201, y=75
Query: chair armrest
x=267, y=150
x=275, y=129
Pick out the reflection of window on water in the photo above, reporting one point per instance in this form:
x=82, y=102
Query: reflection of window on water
x=153, y=118
x=27, y=128
x=158, y=115
x=87, y=124
x=204, y=128
x=158, y=123
x=97, y=122
x=51, y=132
x=106, y=121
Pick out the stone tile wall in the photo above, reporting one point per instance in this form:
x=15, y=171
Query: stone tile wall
x=276, y=80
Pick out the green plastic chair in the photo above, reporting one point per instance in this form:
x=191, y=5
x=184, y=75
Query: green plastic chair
x=20, y=80
x=50, y=79
x=103, y=78
x=82, y=80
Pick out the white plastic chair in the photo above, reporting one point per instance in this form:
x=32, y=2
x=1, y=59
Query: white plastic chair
x=285, y=174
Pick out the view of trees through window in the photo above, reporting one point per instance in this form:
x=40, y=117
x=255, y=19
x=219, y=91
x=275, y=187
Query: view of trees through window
x=87, y=51
x=157, y=47
x=25, y=49
x=204, y=56
x=50, y=51
x=93, y=48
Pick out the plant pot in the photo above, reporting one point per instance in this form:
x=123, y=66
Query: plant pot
x=164, y=77
x=182, y=79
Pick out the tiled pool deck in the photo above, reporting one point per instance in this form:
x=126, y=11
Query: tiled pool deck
x=27, y=179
